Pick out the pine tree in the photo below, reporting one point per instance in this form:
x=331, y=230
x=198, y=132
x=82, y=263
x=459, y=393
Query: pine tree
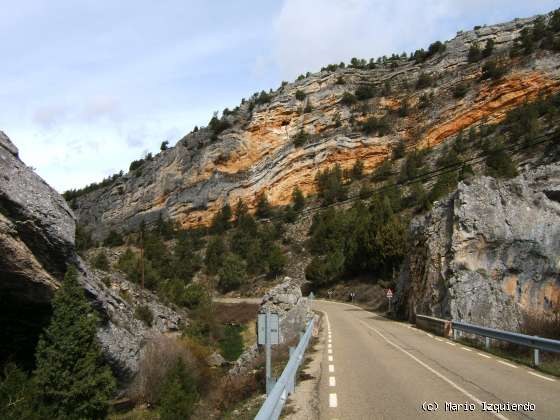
x=179, y=394
x=71, y=377
x=298, y=199
x=263, y=207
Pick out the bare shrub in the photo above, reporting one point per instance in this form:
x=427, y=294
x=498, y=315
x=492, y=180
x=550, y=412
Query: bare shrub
x=542, y=324
x=160, y=355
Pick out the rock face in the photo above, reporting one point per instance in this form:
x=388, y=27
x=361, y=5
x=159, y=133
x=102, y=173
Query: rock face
x=488, y=253
x=37, y=246
x=191, y=181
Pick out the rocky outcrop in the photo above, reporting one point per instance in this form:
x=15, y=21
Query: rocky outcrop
x=37, y=245
x=487, y=253
x=191, y=181
x=294, y=312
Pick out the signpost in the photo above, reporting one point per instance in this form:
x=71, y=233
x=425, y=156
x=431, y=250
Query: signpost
x=269, y=335
x=390, y=297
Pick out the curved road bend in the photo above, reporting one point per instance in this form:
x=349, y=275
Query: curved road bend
x=374, y=368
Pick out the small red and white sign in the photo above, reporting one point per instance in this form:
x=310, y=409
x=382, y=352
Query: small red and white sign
x=389, y=294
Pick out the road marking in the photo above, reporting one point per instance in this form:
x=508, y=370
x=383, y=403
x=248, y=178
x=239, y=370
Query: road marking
x=435, y=372
x=332, y=381
x=333, y=402
x=483, y=355
x=329, y=345
x=450, y=343
x=541, y=376
x=507, y=364
x=330, y=351
x=331, y=368
x=330, y=358
x=430, y=335
x=438, y=339
x=466, y=349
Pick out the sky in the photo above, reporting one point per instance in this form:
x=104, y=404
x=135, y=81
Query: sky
x=88, y=86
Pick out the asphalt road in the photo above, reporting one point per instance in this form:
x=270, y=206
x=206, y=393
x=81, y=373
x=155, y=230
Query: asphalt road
x=375, y=368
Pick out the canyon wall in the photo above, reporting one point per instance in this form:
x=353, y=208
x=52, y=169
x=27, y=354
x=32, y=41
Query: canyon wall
x=36, y=248
x=487, y=254
x=191, y=181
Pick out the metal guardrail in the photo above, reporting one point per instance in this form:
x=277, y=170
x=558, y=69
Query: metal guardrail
x=285, y=385
x=534, y=342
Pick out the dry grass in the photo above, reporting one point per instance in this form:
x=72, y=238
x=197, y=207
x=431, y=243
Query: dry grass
x=542, y=325
x=237, y=313
x=160, y=354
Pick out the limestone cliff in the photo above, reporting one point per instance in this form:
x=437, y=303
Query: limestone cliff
x=488, y=253
x=36, y=247
x=256, y=154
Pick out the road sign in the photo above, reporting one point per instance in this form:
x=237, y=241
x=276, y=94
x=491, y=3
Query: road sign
x=389, y=293
x=273, y=328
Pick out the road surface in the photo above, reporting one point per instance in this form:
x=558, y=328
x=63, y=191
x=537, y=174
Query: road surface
x=374, y=368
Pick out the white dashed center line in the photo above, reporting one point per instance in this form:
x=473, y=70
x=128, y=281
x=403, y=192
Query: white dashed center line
x=330, y=351
x=333, y=402
x=466, y=349
x=332, y=381
x=483, y=355
x=331, y=368
x=330, y=358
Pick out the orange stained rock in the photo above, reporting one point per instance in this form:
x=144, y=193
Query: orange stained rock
x=492, y=102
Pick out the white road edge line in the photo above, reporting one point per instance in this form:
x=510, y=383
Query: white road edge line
x=333, y=402
x=332, y=381
x=330, y=351
x=330, y=346
x=435, y=372
x=466, y=349
x=541, y=376
x=450, y=343
x=483, y=355
x=330, y=358
x=331, y=368
x=507, y=364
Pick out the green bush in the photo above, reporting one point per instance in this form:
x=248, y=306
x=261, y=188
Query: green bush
x=231, y=344
x=16, y=394
x=144, y=314
x=493, y=70
x=298, y=199
x=300, y=138
x=276, y=261
x=488, y=49
x=374, y=125
x=113, y=239
x=474, y=53
x=499, y=162
x=179, y=394
x=263, y=211
x=232, y=274
x=300, y=95
x=364, y=92
x=331, y=185
x=424, y=81
x=460, y=90
x=348, y=99
x=100, y=261
x=214, y=254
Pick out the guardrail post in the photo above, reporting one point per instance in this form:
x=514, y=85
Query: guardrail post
x=454, y=334
x=487, y=342
x=536, y=360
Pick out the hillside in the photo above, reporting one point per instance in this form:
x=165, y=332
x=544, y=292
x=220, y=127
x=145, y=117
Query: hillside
x=361, y=112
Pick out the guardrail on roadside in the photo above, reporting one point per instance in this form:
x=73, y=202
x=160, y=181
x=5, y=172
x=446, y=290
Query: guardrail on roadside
x=534, y=342
x=285, y=385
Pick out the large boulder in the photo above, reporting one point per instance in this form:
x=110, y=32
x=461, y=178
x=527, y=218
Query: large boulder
x=487, y=254
x=37, y=231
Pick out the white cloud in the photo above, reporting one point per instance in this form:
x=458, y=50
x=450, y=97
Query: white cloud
x=312, y=33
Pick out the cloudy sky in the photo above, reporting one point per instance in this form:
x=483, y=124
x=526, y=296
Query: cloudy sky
x=87, y=86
